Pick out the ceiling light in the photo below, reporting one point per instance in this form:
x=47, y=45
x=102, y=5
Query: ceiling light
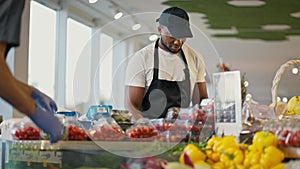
x=248, y=96
x=284, y=99
x=278, y=99
x=295, y=70
x=246, y=3
x=136, y=27
x=295, y=14
x=92, y=1
x=275, y=27
x=246, y=83
x=118, y=15
x=153, y=37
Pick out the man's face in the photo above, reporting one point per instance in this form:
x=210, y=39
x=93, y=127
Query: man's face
x=174, y=44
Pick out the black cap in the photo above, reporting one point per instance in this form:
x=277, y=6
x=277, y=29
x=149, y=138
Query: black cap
x=177, y=21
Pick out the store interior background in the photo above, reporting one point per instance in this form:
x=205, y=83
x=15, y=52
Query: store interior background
x=77, y=51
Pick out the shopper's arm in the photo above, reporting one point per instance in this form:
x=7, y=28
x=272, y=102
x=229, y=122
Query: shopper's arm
x=19, y=96
x=24, y=87
x=39, y=97
x=134, y=99
x=9, y=89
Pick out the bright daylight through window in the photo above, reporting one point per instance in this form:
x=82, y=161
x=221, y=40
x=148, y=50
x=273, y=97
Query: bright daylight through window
x=42, y=48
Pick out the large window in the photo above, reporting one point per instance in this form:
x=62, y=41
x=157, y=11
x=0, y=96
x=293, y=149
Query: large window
x=105, y=68
x=77, y=91
x=42, y=48
x=78, y=64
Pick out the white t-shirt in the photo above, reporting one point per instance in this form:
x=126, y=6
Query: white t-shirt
x=139, y=72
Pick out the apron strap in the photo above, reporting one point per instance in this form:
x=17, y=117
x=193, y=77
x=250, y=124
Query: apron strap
x=183, y=57
x=155, y=69
x=186, y=70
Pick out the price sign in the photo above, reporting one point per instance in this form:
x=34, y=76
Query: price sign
x=227, y=105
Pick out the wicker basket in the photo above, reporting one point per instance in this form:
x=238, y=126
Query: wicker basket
x=277, y=78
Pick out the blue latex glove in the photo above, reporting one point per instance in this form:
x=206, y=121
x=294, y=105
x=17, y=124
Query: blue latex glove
x=48, y=123
x=43, y=101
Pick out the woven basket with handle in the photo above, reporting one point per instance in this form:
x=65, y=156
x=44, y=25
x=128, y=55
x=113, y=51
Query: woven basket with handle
x=277, y=78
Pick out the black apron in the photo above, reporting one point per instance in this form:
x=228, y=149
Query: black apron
x=162, y=94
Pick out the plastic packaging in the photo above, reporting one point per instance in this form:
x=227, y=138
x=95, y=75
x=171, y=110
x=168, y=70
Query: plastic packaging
x=73, y=129
x=106, y=129
x=175, y=130
x=293, y=133
x=26, y=130
x=173, y=113
x=123, y=118
x=142, y=130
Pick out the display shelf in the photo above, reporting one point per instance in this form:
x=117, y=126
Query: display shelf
x=88, y=145
x=76, y=154
x=86, y=154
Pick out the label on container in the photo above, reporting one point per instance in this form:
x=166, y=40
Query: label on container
x=99, y=111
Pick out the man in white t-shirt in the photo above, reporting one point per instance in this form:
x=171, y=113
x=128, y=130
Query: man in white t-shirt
x=166, y=73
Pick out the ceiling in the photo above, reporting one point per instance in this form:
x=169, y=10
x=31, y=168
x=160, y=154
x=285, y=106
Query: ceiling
x=248, y=22
x=238, y=36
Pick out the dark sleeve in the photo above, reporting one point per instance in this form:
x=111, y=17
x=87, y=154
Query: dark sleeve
x=10, y=22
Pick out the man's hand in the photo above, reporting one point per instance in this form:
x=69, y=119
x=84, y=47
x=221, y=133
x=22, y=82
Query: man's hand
x=48, y=123
x=44, y=101
x=136, y=116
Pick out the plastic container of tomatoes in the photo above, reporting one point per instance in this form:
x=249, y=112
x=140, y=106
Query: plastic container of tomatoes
x=73, y=129
x=287, y=131
x=142, y=130
x=26, y=130
x=172, y=130
x=106, y=129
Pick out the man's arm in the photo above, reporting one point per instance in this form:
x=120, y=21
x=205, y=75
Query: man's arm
x=134, y=98
x=9, y=89
x=200, y=92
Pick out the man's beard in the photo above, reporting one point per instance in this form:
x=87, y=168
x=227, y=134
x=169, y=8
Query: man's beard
x=166, y=47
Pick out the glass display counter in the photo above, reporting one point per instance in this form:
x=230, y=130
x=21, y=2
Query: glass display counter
x=71, y=154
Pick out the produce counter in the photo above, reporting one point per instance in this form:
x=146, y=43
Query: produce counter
x=75, y=154
x=87, y=154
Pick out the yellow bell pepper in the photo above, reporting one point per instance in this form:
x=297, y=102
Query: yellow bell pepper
x=194, y=153
x=263, y=139
x=279, y=166
x=240, y=166
x=212, y=155
x=224, y=143
x=252, y=156
x=217, y=144
x=218, y=165
x=243, y=146
x=237, y=166
x=209, y=161
x=271, y=156
x=231, y=157
x=212, y=141
x=256, y=166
